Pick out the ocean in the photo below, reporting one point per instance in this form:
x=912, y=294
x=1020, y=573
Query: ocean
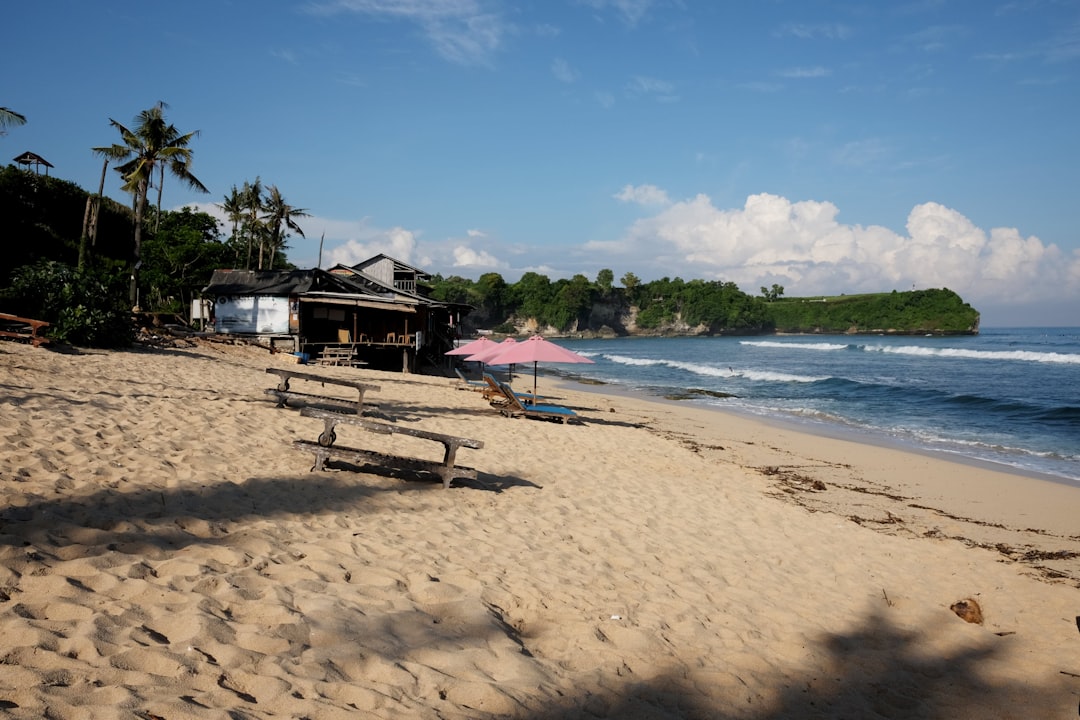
x=1008, y=396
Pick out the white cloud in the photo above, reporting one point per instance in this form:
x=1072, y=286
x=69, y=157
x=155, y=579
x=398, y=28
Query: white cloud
x=463, y=31
x=563, y=72
x=466, y=257
x=804, y=72
x=644, y=85
x=630, y=11
x=476, y=233
x=860, y=153
x=829, y=31
x=802, y=246
x=642, y=195
x=396, y=242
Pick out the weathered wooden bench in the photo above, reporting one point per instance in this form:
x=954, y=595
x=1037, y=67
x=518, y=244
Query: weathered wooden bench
x=284, y=394
x=21, y=328
x=325, y=449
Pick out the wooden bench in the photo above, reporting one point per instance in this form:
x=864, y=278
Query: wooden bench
x=284, y=394
x=21, y=328
x=325, y=449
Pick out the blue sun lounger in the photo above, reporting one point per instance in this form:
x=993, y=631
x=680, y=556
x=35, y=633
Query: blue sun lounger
x=494, y=394
x=514, y=407
x=465, y=383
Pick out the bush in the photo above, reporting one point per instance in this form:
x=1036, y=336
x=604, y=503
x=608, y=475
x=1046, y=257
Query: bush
x=86, y=308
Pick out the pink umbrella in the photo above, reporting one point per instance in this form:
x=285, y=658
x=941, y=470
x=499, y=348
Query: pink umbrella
x=471, y=348
x=491, y=350
x=535, y=350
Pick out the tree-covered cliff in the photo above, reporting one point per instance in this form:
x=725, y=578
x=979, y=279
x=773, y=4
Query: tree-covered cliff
x=693, y=307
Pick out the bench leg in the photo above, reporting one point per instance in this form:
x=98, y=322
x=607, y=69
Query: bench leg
x=328, y=436
x=447, y=471
x=321, y=456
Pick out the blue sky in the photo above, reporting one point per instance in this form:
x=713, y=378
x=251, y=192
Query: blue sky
x=830, y=147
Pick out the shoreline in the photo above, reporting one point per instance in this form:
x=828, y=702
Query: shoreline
x=835, y=430
x=912, y=491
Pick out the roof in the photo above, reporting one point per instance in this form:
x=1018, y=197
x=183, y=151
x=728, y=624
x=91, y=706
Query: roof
x=29, y=158
x=280, y=282
x=398, y=265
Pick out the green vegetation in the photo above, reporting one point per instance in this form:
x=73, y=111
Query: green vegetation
x=70, y=253
x=148, y=149
x=668, y=306
x=916, y=311
x=84, y=308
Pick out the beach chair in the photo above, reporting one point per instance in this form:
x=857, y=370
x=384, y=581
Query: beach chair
x=465, y=383
x=493, y=393
x=514, y=407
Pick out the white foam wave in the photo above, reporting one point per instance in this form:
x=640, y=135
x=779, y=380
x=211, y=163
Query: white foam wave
x=965, y=354
x=794, y=345
x=713, y=370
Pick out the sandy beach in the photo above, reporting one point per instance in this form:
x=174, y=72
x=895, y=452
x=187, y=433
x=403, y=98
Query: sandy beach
x=165, y=552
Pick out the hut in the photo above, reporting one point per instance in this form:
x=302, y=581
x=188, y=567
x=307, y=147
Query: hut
x=342, y=313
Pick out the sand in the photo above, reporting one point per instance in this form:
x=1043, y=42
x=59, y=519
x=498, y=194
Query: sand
x=166, y=553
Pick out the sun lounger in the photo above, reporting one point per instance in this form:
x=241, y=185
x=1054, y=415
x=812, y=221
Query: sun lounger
x=464, y=383
x=514, y=407
x=493, y=393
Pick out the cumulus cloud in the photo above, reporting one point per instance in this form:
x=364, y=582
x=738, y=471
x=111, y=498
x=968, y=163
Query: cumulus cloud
x=466, y=257
x=396, y=242
x=642, y=195
x=803, y=246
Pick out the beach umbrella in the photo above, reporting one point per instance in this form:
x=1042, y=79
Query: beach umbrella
x=492, y=349
x=471, y=348
x=535, y=350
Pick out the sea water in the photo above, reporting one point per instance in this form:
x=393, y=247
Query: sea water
x=1008, y=396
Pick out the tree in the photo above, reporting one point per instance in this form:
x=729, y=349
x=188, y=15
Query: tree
x=180, y=257
x=772, y=294
x=234, y=210
x=252, y=199
x=10, y=118
x=152, y=144
x=280, y=216
x=604, y=280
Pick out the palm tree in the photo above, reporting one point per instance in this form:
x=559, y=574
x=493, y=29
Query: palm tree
x=234, y=209
x=10, y=118
x=280, y=215
x=252, y=202
x=152, y=144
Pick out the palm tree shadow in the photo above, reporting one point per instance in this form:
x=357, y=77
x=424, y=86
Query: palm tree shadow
x=876, y=670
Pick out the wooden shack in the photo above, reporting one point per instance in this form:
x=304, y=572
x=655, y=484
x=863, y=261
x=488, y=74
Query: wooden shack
x=383, y=321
